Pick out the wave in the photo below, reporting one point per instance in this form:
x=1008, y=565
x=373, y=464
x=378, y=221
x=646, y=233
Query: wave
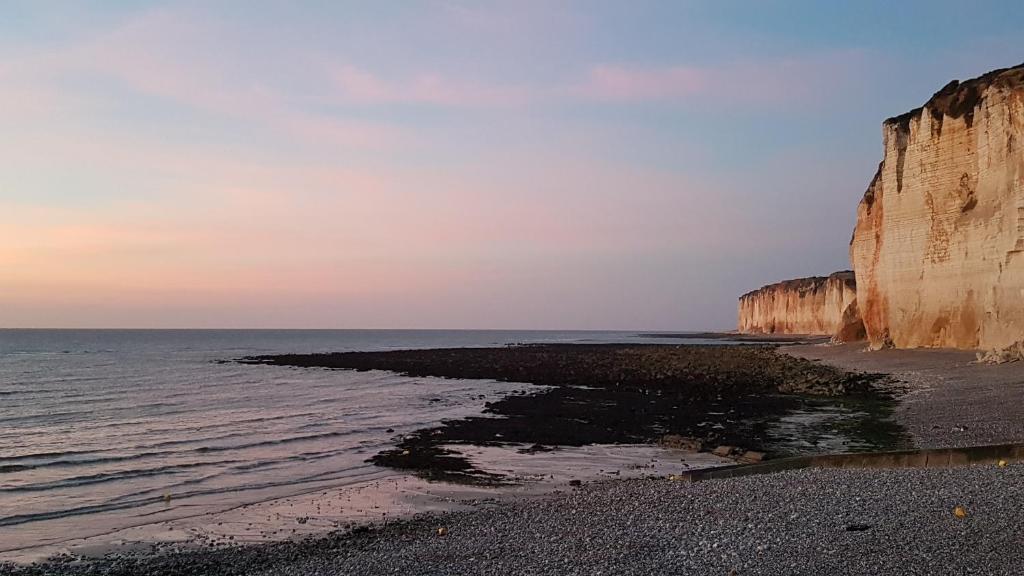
x=111, y=506
x=76, y=481
x=46, y=455
x=289, y=440
x=13, y=468
x=240, y=469
x=73, y=415
x=61, y=462
x=102, y=460
x=225, y=424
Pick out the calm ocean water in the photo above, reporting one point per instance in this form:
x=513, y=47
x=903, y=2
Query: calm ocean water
x=97, y=426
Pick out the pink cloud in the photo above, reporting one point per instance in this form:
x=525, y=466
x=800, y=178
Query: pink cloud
x=608, y=82
x=360, y=86
x=772, y=81
x=177, y=57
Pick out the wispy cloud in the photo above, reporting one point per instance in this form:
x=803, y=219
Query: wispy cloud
x=612, y=82
x=179, y=59
x=771, y=81
x=353, y=84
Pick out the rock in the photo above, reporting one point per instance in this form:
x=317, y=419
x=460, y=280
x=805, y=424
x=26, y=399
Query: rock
x=817, y=305
x=938, y=247
x=536, y=448
x=752, y=456
x=575, y=482
x=851, y=326
x=1012, y=353
x=681, y=442
x=724, y=451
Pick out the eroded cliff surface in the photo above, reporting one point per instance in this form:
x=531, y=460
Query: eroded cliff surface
x=938, y=247
x=817, y=305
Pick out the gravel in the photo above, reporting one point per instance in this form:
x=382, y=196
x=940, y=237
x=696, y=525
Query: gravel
x=799, y=522
x=948, y=400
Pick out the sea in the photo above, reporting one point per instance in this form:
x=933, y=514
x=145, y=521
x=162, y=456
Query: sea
x=102, y=429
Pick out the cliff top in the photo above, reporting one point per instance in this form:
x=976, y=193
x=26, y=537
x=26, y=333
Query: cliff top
x=803, y=284
x=959, y=99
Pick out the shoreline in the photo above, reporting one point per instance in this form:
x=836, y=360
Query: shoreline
x=928, y=380
x=528, y=443
x=396, y=496
x=805, y=521
x=749, y=398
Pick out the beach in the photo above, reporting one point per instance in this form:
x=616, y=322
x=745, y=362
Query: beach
x=808, y=522
x=627, y=512
x=802, y=522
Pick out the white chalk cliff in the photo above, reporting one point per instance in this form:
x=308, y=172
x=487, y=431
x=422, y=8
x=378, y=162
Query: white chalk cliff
x=938, y=247
x=817, y=305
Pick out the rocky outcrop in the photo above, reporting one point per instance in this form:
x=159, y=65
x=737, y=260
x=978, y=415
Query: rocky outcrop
x=818, y=305
x=938, y=247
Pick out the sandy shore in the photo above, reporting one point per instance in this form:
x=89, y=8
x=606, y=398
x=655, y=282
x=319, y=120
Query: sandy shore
x=949, y=400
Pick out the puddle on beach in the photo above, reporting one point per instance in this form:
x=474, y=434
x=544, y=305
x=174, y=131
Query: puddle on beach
x=563, y=464
x=835, y=425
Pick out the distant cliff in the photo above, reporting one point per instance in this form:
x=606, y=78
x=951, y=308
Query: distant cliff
x=818, y=305
x=938, y=247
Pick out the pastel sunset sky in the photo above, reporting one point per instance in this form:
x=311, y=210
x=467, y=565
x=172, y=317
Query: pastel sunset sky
x=443, y=164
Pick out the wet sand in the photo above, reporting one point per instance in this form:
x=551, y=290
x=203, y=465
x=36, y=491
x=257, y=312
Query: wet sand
x=376, y=504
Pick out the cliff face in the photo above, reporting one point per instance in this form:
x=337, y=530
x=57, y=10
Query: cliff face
x=938, y=247
x=818, y=305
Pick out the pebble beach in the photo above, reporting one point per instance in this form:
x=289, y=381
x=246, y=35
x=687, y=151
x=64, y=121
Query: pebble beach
x=799, y=522
x=806, y=522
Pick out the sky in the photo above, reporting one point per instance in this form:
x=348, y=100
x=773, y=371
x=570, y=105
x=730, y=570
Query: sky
x=444, y=164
